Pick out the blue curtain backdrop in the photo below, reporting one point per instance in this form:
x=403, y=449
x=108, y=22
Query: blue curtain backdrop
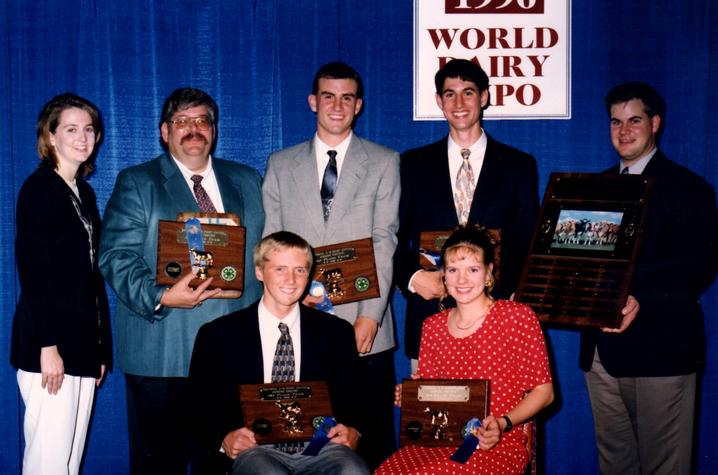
x=257, y=59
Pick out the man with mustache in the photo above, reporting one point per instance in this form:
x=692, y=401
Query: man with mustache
x=155, y=325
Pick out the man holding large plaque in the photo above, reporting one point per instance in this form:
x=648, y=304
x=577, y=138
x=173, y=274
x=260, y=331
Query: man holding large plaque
x=155, y=324
x=641, y=378
x=334, y=188
x=466, y=177
x=275, y=340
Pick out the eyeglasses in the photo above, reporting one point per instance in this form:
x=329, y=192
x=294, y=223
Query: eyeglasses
x=202, y=122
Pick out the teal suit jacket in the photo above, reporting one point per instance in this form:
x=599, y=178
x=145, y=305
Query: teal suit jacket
x=159, y=343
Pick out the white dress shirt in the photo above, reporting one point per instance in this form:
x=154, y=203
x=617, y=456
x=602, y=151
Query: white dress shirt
x=320, y=151
x=209, y=182
x=269, y=334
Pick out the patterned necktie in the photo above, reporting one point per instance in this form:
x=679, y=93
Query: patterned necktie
x=283, y=372
x=283, y=366
x=329, y=183
x=203, y=199
x=464, y=193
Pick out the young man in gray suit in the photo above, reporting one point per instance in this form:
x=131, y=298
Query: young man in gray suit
x=156, y=325
x=339, y=187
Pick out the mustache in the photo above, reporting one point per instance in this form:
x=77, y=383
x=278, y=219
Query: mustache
x=194, y=135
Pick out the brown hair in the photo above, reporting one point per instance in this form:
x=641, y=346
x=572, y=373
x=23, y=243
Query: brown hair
x=48, y=121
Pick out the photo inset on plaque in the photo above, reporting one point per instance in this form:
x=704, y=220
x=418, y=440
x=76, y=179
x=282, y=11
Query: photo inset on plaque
x=587, y=230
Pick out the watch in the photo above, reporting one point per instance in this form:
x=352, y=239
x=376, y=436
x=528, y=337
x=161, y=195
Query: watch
x=509, y=424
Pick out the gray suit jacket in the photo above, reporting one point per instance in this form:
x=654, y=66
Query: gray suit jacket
x=366, y=204
x=150, y=343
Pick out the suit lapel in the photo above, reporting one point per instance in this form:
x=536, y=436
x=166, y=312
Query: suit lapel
x=444, y=180
x=305, y=175
x=486, y=187
x=350, y=179
x=230, y=191
x=175, y=185
x=311, y=359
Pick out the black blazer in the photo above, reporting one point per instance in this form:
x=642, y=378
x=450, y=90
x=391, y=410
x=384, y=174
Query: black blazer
x=678, y=261
x=62, y=298
x=506, y=197
x=228, y=352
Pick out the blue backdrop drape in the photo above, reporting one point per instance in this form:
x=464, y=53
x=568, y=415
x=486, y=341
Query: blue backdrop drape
x=257, y=59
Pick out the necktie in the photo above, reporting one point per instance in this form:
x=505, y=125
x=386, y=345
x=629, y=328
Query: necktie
x=283, y=365
x=464, y=193
x=203, y=200
x=283, y=372
x=624, y=171
x=329, y=183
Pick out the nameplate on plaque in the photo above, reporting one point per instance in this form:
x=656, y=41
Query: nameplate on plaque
x=434, y=412
x=347, y=270
x=219, y=253
x=284, y=412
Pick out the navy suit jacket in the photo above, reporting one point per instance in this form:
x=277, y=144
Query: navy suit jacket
x=678, y=261
x=506, y=197
x=228, y=352
x=159, y=344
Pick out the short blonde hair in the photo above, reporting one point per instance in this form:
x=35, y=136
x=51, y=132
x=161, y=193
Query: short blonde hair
x=278, y=241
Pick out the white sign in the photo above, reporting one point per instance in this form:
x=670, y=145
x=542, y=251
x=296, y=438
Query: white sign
x=523, y=45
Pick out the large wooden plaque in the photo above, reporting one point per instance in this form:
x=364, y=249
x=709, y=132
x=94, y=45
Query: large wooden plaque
x=347, y=270
x=226, y=244
x=431, y=242
x=435, y=411
x=584, y=248
x=283, y=412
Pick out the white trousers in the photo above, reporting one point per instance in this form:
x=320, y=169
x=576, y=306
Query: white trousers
x=55, y=425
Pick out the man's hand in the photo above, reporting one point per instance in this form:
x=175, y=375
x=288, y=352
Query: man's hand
x=629, y=312
x=311, y=300
x=238, y=441
x=344, y=435
x=98, y=381
x=365, y=330
x=428, y=284
x=181, y=295
x=52, y=369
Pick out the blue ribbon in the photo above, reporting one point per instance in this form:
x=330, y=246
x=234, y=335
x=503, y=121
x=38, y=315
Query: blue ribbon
x=471, y=441
x=193, y=231
x=326, y=304
x=322, y=425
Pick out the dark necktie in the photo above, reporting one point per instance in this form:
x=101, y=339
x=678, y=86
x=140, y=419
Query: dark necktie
x=329, y=183
x=203, y=200
x=624, y=171
x=283, y=366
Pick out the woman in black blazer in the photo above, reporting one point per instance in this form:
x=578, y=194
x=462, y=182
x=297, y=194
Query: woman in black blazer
x=61, y=333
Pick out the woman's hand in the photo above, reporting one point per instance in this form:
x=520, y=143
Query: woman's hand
x=489, y=433
x=52, y=369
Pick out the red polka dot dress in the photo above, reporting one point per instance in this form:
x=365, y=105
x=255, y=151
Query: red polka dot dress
x=509, y=350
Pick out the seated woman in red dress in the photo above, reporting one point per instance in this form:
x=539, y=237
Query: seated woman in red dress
x=481, y=339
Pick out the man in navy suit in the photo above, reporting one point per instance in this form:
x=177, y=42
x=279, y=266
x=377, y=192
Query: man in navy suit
x=641, y=378
x=155, y=326
x=240, y=349
x=502, y=193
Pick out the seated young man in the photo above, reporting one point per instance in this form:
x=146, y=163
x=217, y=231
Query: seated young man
x=239, y=348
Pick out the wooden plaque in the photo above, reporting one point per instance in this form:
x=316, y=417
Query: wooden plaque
x=435, y=411
x=347, y=270
x=283, y=412
x=431, y=242
x=584, y=248
x=226, y=243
